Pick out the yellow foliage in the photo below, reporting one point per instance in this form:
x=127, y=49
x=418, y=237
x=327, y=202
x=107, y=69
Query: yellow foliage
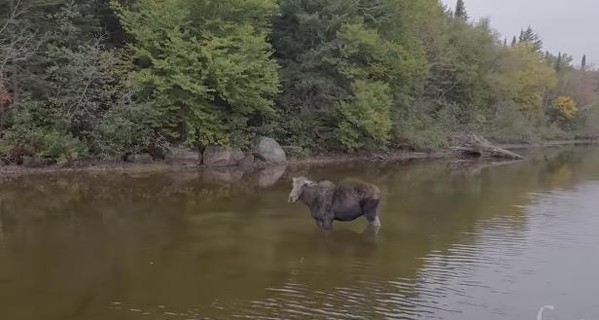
x=520, y=75
x=565, y=108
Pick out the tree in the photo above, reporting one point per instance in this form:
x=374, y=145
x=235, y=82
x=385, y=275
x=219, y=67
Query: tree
x=531, y=39
x=74, y=83
x=583, y=63
x=460, y=10
x=514, y=42
x=206, y=66
x=522, y=78
x=366, y=115
x=331, y=52
x=564, y=109
x=558, y=62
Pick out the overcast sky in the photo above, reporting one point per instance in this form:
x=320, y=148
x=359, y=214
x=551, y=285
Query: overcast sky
x=569, y=26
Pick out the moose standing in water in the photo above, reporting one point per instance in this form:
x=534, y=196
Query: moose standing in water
x=344, y=202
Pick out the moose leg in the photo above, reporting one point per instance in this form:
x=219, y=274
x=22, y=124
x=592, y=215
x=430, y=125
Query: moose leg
x=326, y=215
x=318, y=223
x=327, y=224
x=369, y=208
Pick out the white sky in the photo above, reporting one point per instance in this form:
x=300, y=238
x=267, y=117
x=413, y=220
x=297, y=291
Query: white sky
x=569, y=26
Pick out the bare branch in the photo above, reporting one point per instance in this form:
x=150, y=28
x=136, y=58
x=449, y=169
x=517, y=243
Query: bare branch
x=14, y=14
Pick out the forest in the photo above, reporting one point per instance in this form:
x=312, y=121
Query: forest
x=105, y=78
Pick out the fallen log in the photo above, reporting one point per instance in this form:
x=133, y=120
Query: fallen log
x=472, y=144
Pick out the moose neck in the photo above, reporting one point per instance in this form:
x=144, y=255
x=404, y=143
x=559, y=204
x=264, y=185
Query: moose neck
x=308, y=196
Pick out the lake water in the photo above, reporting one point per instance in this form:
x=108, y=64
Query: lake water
x=459, y=240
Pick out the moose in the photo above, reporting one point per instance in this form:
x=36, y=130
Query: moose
x=346, y=201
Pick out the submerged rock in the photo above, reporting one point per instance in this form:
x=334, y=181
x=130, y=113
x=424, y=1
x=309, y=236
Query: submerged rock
x=248, y=162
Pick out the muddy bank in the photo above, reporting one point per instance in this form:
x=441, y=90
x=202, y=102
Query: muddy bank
x=98, y=166
x=229, y=174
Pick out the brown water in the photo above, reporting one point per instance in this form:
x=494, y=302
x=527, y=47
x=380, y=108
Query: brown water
x=458, y=241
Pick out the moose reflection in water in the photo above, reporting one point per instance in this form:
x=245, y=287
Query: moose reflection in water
x=344, y=202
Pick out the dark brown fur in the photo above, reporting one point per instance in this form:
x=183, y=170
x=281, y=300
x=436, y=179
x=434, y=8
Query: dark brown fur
x=344, y=202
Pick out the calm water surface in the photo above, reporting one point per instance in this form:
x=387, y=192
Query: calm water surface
x=459, y=241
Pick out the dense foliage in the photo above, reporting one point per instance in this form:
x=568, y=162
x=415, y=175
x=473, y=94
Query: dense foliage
x=85, y=78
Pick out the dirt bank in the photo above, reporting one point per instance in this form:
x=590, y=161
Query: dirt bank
x=95, y=166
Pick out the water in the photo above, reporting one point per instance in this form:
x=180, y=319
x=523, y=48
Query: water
x=458, y=241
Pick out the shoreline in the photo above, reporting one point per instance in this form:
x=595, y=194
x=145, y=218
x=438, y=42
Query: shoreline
x=111, y=166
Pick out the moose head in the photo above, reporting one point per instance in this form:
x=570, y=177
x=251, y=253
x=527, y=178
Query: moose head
x=299, y=184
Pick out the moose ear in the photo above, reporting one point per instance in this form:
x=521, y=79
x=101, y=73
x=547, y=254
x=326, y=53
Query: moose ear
x=312, y=183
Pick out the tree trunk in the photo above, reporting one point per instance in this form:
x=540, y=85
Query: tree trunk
x=472, y=144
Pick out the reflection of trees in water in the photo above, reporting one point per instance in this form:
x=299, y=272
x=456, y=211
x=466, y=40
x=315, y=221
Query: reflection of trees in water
x=48, y=195
x=229, y=241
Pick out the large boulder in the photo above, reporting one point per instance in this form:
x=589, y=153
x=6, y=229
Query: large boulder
x=269, y=151
x=183, y=156
x=248, y=162
x=215, y=156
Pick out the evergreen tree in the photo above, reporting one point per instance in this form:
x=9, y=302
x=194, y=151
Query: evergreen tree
x=583, y=63
x=460, y=10
x=531, y=39
x=334, y=52
x=558, y=63
x=514, y=41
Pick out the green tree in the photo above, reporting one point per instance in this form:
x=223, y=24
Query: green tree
x=366, y=115
x=531, y=39
x=205, y=66
x=460, y=10
x=522, y=78
x=326, y=47
x=583, y=63
x=66, y=90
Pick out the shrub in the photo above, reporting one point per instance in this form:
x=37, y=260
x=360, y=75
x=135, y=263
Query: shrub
x=510, y=125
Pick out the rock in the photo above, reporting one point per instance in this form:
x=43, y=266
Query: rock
x=248, y=162
x=237, y=156
x=222, y=157
x=183, y=156
x=35, y=162
x=269, y=151
x=142, y=158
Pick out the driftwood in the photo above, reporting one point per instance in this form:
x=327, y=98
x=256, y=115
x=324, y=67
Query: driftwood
x=472, y=144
